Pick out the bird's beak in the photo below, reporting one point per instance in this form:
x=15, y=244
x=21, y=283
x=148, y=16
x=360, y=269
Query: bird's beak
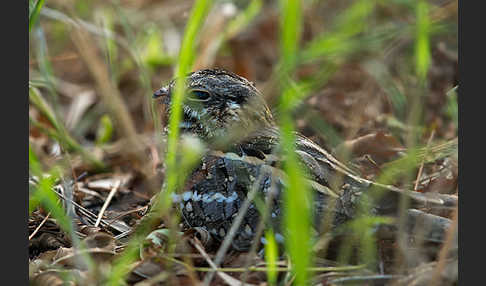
x=161, y=92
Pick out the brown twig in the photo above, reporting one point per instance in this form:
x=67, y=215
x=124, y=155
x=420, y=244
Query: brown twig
x=144, y=208
x=419, y=174
x=108, y=92
x=107, y=202
x=445, y=249
x=227, y=278
x=234, y=228
x=260, y=229
x=39, y=226
x=81, y=209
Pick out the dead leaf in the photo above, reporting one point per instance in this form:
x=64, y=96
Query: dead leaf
x=380, y=146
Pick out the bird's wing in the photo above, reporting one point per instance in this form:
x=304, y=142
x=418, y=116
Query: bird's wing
x=321, y=165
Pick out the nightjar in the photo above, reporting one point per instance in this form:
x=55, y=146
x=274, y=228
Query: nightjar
x=230, y=115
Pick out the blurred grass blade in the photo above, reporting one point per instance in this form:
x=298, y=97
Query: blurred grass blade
x=452, y=109
x=46, y=69
x=384, y=78
x=186, y=58
x=50, y=201
x=393, y=170
x=162, y=204
x=108, y=91
x=105, y=18
x=361, y=234
x=43, y=194
x=296, y=198
x=361, y=229
x=297, y=208
x=354, y=19
x=53, y=112
x=58, y=133
x=105, y=130
x=34, y=164
x=243, y=19
x=35, y=169
x=341, y=40
x=422, y=45
x=422, y=63
x=135, y=51
x=36, y=98
x=34, y=12
x=220, y=31
x=271, y=254
x=290, y=31
x=153, y=54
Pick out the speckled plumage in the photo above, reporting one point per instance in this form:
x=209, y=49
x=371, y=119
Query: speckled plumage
x=223, y=104
x=234, y=102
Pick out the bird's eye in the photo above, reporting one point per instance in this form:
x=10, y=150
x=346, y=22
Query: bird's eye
x=199, y=95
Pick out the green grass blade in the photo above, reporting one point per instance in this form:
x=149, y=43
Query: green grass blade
x=271, y=255
x=105, y=130
x=290, y=31
x=342, y=40
x=43, y=194
x=422, y=43
x=34, y=13
x=243, y=19
x=296, y=198
x=58, y=132
x=34, y=164
x=35, y=169
x=36, y=98
x=186, y=57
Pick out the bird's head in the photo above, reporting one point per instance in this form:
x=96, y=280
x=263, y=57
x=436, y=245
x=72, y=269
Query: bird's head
x=217, y=103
